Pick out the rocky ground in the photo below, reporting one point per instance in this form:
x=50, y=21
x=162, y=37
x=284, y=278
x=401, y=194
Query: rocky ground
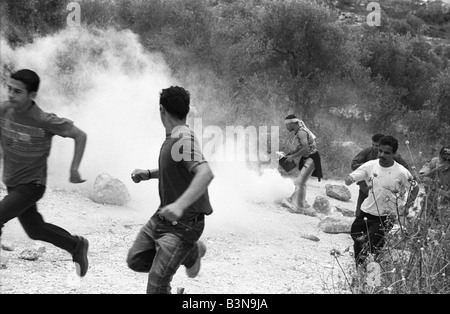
x=254, y=247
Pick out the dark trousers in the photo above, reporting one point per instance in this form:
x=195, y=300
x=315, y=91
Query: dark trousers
x=369, y=235
x=21, y=202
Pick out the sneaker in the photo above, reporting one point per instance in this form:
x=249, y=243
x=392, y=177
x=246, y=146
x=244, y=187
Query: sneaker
x=80, y=257
x=193, y=271
x=295, y=210
x=308, y=211
x=286, y=203
x=290, y=206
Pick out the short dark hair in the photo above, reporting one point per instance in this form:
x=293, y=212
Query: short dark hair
x=29, y=78
x=291, y=116
x=390, y=141
x=377, y=137
x=176, y=101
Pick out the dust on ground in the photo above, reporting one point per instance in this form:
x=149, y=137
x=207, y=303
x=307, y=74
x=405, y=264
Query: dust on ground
x=257, y=248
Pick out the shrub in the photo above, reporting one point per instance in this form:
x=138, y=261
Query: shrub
x=400, y=27
x=335, y=158
x=433, y=13
x=415, y=22
x=414, y=258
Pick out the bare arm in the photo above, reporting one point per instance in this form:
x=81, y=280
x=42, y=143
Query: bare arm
x=404, y=210
x=360, y=174
x=430, y=169
x=412, y=196
x=80, y=138
x=349, y=180
x=139, y=175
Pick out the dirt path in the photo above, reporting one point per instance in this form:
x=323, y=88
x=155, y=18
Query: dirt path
x=253, y=247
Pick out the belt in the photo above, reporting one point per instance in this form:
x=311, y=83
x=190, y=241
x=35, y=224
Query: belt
x=197, y=218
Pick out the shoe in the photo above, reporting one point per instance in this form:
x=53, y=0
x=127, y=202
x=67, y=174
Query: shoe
x=295, y=210
x=80, y=257
x=193, y=271
x=286, y=203
x=290, y=206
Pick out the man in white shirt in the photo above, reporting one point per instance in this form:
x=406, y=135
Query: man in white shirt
x=392, y=191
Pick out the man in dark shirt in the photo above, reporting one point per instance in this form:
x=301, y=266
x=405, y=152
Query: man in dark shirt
x=171, y=236
x=26, y=133
x=435, y=176
x=370, y=153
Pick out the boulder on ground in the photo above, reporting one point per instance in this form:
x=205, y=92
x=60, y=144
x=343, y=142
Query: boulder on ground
x=345, y=211
x=7, y=247
x=332, y=224
x=322, y=205
x=30, y=255
x=310, y=237
x=339, y=192
x=109, y=190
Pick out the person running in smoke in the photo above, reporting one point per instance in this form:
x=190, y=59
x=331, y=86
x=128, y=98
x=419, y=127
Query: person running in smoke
x=370, y=153
x=26, y=132
x=171, y=236
x=436, y=178
x=304, y=146
x=390, y=185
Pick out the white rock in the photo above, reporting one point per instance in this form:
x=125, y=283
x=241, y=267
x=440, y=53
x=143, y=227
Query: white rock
x=109, y=190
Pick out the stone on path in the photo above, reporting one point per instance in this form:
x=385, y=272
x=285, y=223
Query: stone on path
x=310, y=237
x=333, y=224
x=109, y=190
x=339, y=192
x=345, y=211
x=322, y=205
x=7, y=247
x=29, y=255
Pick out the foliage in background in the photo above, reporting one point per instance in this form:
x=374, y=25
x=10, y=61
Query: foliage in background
x=254, y=64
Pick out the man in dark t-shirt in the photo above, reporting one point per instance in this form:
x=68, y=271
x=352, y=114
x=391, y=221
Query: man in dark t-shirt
x=171, y=236
x=26, y=133
x=435, y=176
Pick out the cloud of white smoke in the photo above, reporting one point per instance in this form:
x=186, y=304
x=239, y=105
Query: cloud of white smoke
x=109, y=86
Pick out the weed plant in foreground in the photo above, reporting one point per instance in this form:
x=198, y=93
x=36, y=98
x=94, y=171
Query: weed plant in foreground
x=416, y=256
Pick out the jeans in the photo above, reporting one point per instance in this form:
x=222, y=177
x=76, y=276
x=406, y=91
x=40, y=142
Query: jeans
x=369, y=236
x=21, y=202
x=161, y=248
